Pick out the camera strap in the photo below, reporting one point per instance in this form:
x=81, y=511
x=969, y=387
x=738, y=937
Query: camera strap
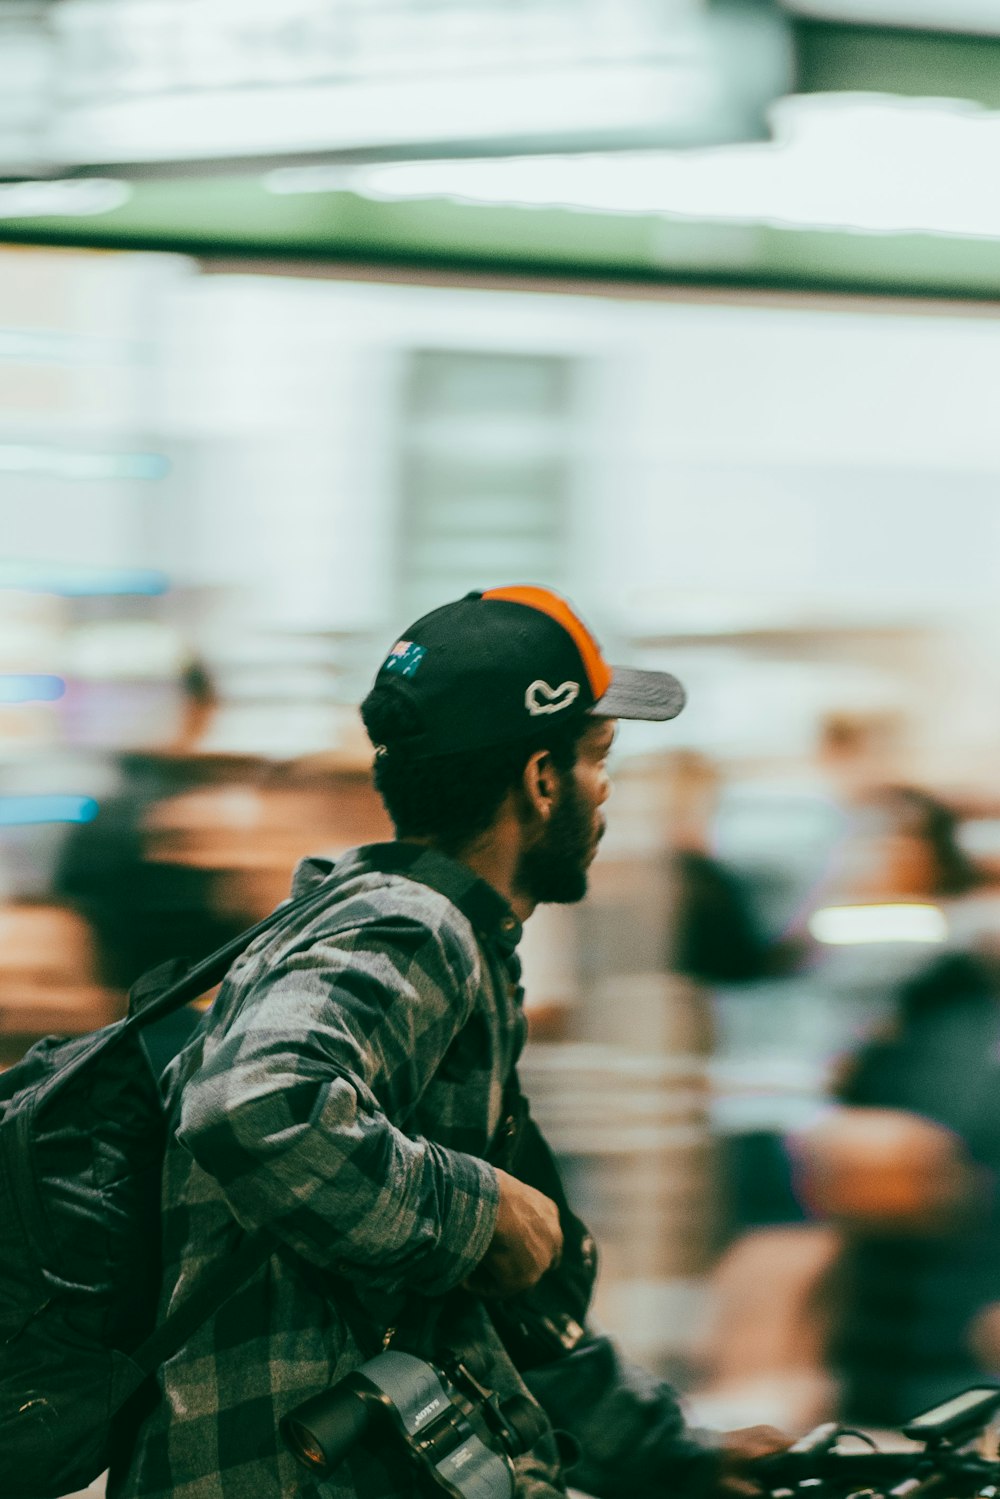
x=549, y=1319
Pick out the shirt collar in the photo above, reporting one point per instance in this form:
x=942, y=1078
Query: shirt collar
x=484, y=907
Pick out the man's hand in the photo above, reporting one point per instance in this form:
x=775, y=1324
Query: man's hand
x=739, y=1451
x=527, y=1239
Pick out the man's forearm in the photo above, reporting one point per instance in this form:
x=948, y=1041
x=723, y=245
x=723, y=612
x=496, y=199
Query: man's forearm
x=323, y=1170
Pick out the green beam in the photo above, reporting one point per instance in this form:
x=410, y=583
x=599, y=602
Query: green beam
x=233, y=216
x=896, y=60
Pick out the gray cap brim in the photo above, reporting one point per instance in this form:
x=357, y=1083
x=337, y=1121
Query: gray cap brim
x=650, y=695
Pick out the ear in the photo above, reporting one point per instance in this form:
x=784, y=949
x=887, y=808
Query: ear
x=540, y=784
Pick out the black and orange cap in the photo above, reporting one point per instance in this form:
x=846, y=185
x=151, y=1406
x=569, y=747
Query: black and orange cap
x=504, y=664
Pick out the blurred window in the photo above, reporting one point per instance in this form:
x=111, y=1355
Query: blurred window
x=484, y=471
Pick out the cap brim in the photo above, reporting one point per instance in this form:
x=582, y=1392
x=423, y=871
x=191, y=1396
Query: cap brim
x=650, y=695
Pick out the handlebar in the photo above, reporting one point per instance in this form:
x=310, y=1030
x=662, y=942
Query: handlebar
x=944, y=1461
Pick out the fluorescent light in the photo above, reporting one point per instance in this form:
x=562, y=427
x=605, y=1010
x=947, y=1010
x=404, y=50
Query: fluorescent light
x=69, y=463
x=25, y=811
x=76, y=198
x=81, y=582
x=18, y=688
x=843, y=926
x=867, y=163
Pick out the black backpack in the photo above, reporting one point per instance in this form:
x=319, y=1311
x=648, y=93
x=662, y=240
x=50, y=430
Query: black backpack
x=82, y=1134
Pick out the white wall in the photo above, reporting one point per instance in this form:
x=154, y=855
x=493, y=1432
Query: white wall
x=760, y=464
x=737, y=466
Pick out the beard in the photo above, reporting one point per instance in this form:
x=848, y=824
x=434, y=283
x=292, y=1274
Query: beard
x=555, y=870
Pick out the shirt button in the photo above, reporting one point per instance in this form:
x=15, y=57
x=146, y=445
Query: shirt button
x=508, y=924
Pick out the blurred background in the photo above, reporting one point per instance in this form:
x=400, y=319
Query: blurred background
x=315, y=315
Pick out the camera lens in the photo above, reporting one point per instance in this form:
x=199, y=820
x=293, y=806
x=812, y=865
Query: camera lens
x=322, y=1431
x=303, y=1445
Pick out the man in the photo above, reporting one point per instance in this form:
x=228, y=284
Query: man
x=354, y=1076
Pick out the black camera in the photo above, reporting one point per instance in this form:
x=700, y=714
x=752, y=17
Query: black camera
x=458, y=1431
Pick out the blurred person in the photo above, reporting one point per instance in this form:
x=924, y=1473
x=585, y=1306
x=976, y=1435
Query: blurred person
x=918, y=1262
x=143, y=910
x=783, y=837
x=919, y=1088
x=906, y=948
x=712, y=934
x=882, y=1284
x=357, y=1068
x=884, y=1302
x=905, y=902
x=715, y=939
x=141, y=913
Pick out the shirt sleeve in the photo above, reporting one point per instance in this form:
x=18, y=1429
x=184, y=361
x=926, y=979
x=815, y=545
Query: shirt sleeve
x=299, y=1109
x=627, y=1426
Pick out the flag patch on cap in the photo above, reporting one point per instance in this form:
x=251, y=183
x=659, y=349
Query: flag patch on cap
x=404, y=658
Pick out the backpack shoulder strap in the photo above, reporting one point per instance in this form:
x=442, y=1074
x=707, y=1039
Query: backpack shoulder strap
x=228, y=1277
x=178, y=1326
x=209, y=971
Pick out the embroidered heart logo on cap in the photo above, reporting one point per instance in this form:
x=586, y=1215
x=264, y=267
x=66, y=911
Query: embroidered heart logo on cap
x=541, y=698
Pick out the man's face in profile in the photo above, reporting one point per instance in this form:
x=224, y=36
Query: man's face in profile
x=555, y=869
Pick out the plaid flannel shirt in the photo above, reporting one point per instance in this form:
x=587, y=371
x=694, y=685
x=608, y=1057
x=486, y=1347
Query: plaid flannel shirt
x=341, y=1095
x=340, y=1098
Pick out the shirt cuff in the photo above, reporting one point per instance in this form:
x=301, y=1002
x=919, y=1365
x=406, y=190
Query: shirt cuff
x=468, y=1218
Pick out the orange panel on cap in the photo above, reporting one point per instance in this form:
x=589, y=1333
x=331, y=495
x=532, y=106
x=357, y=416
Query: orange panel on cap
x=597, y=669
